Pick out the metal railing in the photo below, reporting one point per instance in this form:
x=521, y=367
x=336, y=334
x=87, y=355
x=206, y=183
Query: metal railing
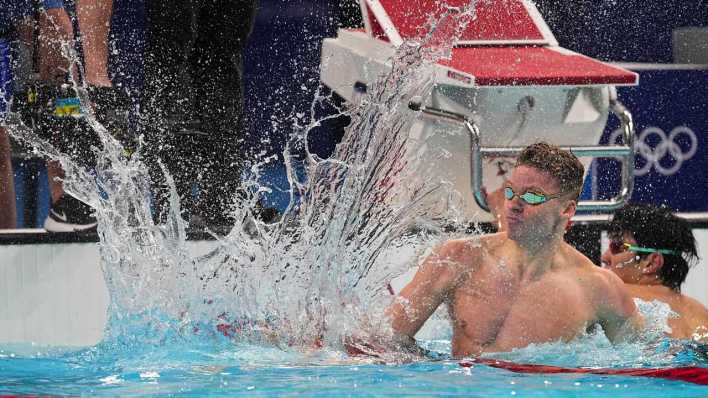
x=693, y=218
x=624, y=152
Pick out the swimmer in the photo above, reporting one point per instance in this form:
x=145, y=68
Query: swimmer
x=524, y=285
x=651, y=250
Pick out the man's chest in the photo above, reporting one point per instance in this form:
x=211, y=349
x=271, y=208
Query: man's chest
x=499, y=311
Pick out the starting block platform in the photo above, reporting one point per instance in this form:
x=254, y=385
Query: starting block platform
x=506, y=76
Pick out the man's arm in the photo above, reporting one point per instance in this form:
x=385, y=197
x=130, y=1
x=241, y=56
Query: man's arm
x=434, y=281
x=618, y=313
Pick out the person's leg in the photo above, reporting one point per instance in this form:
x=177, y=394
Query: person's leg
x=223, y=28
x=23, y=55
x=94, y=24
x=56, y=34
x=169, y=32
x=55, y=175
x=24, y=28
x=8, y=212
x=165, y=98
x=110, y=104
x=57, y=37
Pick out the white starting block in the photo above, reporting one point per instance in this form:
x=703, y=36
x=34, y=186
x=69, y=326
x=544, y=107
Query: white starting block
x=507, y=81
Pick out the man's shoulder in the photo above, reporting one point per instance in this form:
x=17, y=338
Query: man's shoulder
x=469, y=252
x=609, y=291
x=581, y=263
x=604, y=277
x=599, y=279
x=695, y=308
x=475, y=244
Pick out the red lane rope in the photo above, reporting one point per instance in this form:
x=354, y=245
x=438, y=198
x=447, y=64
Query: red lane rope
x=690, y=374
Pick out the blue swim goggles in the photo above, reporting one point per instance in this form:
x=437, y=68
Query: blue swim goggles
x=529, y=197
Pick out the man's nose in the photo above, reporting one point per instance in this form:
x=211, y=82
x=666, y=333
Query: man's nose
x=515, y=204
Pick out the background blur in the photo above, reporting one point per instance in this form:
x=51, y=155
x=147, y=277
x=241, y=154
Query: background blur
x=281, y=79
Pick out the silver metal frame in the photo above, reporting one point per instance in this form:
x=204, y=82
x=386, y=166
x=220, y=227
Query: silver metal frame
x=589, y=219
x=624, y=152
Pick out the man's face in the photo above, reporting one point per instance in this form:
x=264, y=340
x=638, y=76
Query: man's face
x=533, y=222
x=624, y=263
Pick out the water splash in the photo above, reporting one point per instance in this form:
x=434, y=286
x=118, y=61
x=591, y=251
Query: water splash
x=314, y=276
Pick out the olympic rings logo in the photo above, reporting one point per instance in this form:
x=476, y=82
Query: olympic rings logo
x=654, y=153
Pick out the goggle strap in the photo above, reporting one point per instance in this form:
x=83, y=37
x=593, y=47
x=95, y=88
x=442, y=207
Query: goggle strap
x=638, y=249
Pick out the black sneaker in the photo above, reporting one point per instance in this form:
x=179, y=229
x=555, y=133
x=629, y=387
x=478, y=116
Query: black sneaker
x=69, y=214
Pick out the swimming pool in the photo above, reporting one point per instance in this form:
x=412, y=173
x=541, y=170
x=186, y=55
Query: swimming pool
x=214, y=366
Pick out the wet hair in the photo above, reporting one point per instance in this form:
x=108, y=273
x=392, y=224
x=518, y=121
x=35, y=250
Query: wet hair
x=658, y=228
x=559, y=163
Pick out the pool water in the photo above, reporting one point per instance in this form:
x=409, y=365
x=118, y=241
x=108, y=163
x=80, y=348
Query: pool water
x=142, y=357
x=215, y=366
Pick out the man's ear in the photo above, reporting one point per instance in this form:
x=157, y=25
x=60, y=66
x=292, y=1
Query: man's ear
x=654, y=262
x=570, y=208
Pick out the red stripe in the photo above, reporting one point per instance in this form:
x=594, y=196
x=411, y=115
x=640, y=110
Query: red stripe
x=690, y=374
x=19, y=396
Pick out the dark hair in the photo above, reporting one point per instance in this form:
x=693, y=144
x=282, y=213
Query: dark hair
x=559, y=163
x=658, y=228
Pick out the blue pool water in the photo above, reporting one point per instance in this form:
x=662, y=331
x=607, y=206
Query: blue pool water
x=215, y=366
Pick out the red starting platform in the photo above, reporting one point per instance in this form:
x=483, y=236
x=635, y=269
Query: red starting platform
x=506, y=43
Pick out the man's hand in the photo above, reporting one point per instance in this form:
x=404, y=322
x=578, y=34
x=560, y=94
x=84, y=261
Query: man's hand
x=399, y=349
x=358, y=346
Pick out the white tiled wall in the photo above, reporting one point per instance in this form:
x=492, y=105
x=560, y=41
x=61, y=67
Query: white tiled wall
x=52, y=294
x=55, y=294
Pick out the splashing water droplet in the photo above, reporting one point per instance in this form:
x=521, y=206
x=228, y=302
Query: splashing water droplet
x=307, y=280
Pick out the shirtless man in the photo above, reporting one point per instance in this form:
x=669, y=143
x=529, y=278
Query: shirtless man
x=651, y=250
x=524, y=285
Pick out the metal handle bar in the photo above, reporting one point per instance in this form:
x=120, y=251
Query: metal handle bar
x=624, y=152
